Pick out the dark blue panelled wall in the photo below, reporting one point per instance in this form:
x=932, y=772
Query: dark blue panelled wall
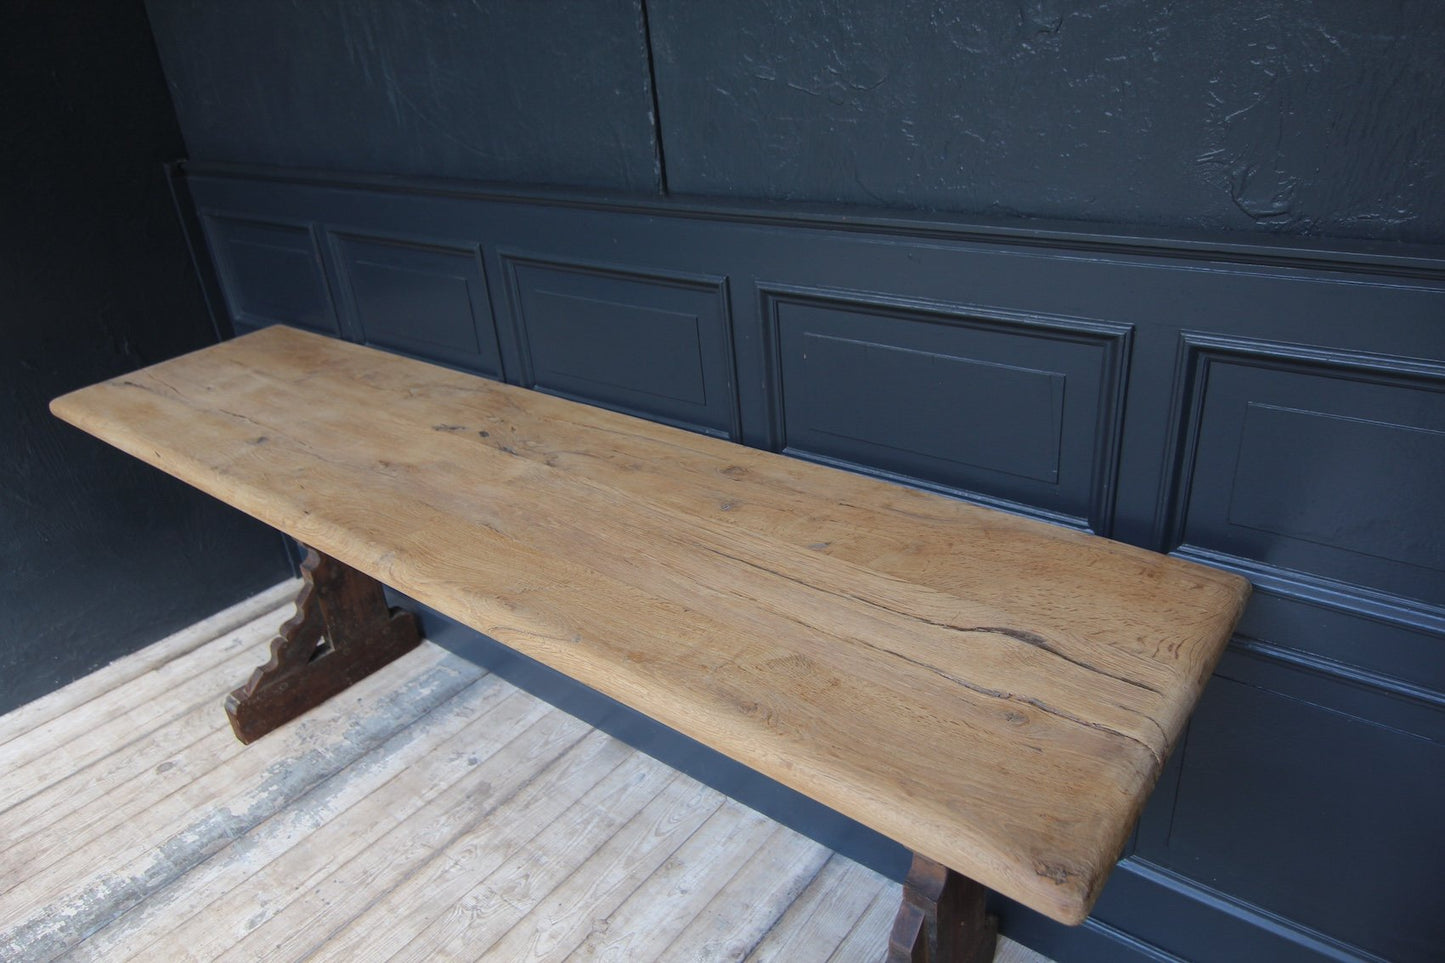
x=1245, y=366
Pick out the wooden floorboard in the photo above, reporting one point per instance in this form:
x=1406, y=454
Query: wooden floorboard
x=31, y=718
x=432, y=812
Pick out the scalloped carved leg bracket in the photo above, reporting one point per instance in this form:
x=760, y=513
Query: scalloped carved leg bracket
x=342, y=632
x=943, y=918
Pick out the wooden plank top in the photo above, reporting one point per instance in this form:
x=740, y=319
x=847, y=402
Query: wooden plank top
x=995, y=693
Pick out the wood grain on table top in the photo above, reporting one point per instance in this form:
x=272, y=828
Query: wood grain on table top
x=996, y=693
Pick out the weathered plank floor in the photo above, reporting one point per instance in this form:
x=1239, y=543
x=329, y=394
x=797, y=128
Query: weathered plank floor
x=434, y=812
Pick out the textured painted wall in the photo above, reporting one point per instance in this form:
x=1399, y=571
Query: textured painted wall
x=98, y=553
x=1322, y=118
x=533, y=93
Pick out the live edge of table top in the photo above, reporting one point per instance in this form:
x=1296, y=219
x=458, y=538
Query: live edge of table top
x=995, y=693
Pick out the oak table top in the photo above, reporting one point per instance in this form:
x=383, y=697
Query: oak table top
x=995, y=693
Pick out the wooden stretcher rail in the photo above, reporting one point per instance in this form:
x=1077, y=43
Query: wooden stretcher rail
x=995, y=693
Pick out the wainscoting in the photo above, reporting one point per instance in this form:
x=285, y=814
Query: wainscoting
x=1278, y=411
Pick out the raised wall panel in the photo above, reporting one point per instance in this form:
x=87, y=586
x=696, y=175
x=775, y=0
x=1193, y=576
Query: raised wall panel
x=1276, y=793
x=1015, y=409
x=652, y=343
x=1321, y=472
x=425, y=299
x=271, y=273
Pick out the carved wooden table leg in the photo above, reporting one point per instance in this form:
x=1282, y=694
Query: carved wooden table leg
x=342, y=632
x=943, y=918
